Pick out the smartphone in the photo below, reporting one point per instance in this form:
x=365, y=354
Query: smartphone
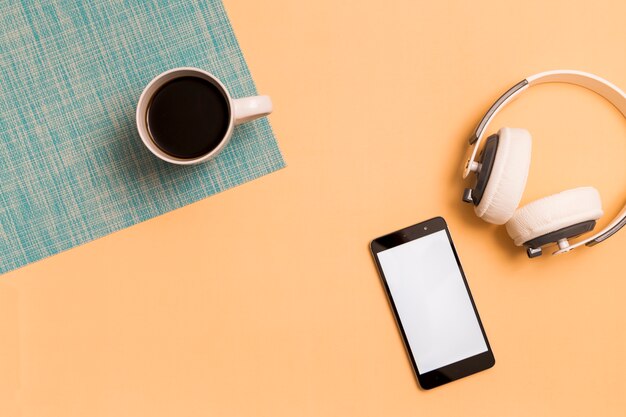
x=432, y=303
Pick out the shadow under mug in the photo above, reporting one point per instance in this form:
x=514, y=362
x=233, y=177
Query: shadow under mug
x=241, y=110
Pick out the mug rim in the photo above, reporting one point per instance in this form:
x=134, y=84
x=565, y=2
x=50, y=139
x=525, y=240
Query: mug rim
x=143, y=103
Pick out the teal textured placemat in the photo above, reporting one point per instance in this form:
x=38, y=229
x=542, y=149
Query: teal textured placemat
x=72, y=167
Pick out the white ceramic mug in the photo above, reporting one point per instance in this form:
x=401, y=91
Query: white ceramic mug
x=240, y=110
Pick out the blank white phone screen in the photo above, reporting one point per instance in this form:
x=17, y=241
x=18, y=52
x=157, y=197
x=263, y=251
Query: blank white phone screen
x=432, y=303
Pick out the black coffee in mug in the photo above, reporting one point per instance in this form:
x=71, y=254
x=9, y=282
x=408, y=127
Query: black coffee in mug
x=188, y=117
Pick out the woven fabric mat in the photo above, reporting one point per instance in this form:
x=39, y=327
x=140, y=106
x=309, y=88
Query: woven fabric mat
x=72, y=167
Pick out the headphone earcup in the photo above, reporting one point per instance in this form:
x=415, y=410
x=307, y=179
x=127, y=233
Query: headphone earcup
x=554, y=213
x=507, y=178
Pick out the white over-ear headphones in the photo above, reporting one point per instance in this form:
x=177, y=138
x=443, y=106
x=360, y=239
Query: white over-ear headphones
x=502, y=169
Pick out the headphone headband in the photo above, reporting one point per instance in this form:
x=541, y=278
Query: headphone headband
x=599, y=85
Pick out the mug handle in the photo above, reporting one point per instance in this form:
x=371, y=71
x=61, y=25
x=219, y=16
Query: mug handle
x=250, y=108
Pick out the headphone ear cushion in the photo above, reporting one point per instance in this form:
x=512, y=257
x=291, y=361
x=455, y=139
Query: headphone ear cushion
x=508, y=176
x=553, y=213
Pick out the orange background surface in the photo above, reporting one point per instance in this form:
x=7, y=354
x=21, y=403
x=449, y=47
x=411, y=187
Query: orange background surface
x=264, y=300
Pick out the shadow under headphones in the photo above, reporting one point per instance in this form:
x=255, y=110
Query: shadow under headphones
x=502, y=168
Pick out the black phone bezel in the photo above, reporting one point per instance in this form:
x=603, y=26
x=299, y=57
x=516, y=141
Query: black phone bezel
x=453, y=371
